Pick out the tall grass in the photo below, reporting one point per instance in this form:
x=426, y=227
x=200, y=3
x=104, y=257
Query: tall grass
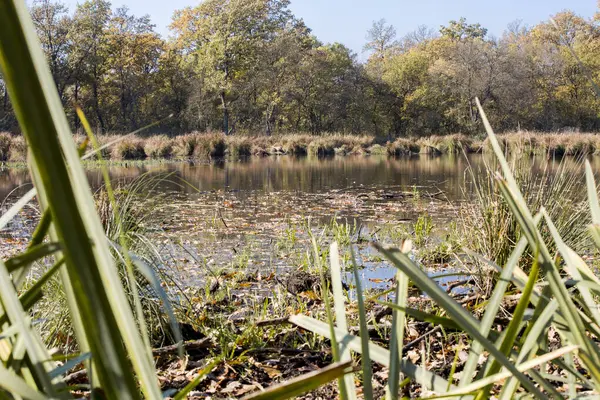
x=117, y=359
x=558, y=294
x=492, y=230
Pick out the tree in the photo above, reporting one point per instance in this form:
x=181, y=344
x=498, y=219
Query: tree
x=223, y=39
x=460, y=30
x=133, y=52
x=88, y=56
x=53, y=25
x=380, y=38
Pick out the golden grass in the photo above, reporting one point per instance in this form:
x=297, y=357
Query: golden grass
x=211, y=145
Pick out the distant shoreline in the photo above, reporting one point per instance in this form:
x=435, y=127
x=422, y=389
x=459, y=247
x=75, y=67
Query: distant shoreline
x=208, y=146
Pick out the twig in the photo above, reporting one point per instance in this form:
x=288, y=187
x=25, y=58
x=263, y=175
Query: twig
x=199, y=344
x=410, y=345
x=274, y=321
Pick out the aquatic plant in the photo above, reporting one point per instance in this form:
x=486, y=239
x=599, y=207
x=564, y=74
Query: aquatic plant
x=492, y=230
x=158, y=147
x=210, y=145
x=18, y=149
x=5, y=142
x=239, y=146
x=130, y=148
x=403, y=146
x=185, y=145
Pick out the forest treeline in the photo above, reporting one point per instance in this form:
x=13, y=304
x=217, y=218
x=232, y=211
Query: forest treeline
x=253, y=66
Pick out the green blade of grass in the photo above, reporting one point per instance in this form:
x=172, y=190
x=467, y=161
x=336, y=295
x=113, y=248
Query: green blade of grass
x=70, y=364
x=529, y=344
x=16, y=207
x=397, y=336
x=578, y=270
x=514, y=326
x=468, y=323
x=16, y=315
x=364, y=333
x=99, y=294
x=31, y=255
x=592, y=193
x=14, y=384
x=494, y=304
x=151, y=277
x=424, y=316
x=377, y=353
x=589, y=352
x=183, y=393
x=34, y=293
x=335, y=348
x=340, y=316
x=524, y=367
x=303, y=383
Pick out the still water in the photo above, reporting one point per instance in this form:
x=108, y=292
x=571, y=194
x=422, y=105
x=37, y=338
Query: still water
x=288, y=174
x=248, y=213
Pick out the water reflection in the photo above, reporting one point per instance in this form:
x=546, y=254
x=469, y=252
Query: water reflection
x=289, y=174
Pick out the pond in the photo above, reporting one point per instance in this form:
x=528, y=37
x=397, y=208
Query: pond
x=253, y=214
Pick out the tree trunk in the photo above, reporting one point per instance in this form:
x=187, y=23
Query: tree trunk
x=225, y=114
x=76, y=98
x=97, y=106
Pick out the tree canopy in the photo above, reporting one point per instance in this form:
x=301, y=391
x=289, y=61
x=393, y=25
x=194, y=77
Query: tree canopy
x=252, y=65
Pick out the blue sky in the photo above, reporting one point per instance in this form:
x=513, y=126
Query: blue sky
x=347, y=21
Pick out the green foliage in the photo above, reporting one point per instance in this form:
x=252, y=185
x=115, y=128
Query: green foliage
x=252, y=66
x=513, y=353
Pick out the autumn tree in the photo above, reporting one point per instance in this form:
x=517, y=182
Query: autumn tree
x=223, y=39
x=460, y=30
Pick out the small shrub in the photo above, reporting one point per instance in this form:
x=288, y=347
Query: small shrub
x=159, y=147
x=129, y=149
x=210, y=145
x=239, y=146
x=377, y=149
x=5, y=142
x=321, y=147
x=18, y=149
x=185, y=145
x=403, y=146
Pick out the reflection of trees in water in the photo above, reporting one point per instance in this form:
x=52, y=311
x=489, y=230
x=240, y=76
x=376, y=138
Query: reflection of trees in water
x=303, y=174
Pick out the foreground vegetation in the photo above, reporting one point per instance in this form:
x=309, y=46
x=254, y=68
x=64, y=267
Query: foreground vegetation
x=535, y=335
x=278, y=77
